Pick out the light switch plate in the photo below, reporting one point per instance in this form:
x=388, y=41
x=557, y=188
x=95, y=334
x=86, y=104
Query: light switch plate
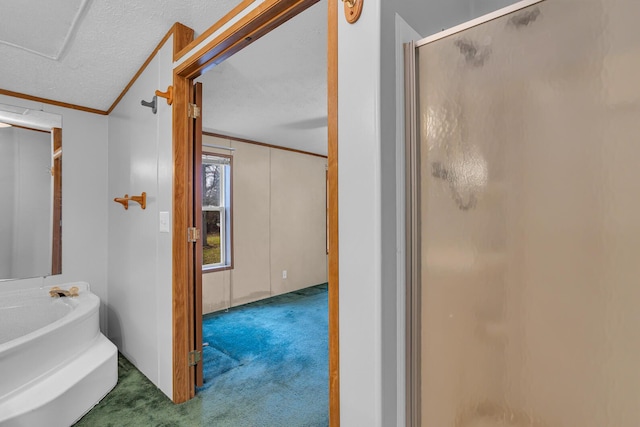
x=165, y=222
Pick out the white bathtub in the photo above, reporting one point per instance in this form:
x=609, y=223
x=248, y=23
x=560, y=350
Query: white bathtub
x=55, y=365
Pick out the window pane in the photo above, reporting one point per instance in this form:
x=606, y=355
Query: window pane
x=211, y=184
x=211, y=243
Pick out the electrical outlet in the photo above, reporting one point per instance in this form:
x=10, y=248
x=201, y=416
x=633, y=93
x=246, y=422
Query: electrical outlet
x=284, y=274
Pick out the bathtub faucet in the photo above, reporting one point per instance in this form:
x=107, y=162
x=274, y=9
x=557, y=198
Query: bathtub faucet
x=56, y=292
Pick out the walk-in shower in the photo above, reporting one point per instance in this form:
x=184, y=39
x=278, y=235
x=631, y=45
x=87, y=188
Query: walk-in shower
x=524, y=226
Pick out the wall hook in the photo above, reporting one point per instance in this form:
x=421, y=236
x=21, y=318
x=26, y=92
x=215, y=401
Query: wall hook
x=168, y=94
x=142, y=199
x=153, y=104
x=352, y=10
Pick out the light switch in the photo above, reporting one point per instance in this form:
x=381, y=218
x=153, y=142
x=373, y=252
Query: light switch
x=164, y=222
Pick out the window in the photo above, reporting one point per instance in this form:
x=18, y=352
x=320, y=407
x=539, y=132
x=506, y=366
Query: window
x=216, y=211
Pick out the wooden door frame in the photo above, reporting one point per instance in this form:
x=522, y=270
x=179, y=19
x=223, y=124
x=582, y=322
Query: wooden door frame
x=265, y=17
x=56, y=250
x=196, y=209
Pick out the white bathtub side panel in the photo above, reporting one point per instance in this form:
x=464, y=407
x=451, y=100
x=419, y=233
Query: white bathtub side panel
x=76, y=386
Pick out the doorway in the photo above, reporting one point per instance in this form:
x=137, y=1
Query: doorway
x=265, y=108
x=264, y=161
x=255, y=23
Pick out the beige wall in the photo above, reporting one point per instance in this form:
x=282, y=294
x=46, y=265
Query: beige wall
x=250, y=216
x=278, y=224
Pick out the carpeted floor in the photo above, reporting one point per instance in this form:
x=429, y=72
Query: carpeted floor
x=265, y=365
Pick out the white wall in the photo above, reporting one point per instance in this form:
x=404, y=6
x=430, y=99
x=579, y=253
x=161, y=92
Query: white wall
x=368, y=180
x=279, y=223
x=120, y=253
x=140, y=159
x=84, y=201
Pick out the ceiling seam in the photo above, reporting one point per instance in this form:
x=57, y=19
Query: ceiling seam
x=67, y=38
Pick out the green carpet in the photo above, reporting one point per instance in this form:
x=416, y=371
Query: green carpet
x=265, y=365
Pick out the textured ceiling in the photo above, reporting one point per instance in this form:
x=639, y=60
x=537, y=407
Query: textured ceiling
x=274, y=90
x=101, y=47
x=112, y=40
x=43, y=28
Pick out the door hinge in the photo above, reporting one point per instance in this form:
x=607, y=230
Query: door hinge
x=193, y=111
x=193, y=234
x=194, y=357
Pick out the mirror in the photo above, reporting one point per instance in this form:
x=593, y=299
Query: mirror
x=30, y=192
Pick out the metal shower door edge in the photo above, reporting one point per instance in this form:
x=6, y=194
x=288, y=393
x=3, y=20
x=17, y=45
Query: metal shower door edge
x=478, y=21
x=412, y=221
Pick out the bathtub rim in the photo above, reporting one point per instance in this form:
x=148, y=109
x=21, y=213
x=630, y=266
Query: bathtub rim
x=82, y=306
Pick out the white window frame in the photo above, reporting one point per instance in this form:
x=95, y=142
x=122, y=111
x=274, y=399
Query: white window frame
x=224, y=208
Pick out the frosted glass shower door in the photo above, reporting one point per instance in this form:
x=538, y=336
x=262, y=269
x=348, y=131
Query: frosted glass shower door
x=529, y=207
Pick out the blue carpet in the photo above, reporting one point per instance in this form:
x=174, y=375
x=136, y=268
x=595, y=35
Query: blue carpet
x=266, y=362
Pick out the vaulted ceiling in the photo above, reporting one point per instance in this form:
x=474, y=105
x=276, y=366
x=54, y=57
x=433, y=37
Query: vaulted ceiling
x=85, y=52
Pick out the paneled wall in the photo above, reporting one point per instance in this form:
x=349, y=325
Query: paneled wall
x=249, y=279
x=140, y=159
x=279, y=224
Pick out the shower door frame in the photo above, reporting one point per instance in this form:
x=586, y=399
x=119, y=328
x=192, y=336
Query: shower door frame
x=413, y=285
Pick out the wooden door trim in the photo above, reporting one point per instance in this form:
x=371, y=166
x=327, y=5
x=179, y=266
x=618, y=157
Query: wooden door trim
x=247, y=29
x=181, y=221
x=52, y=102
x=232, y=14
x=180, y=248
x=332, y=200
x=56, y=261
x=264, y=18
x=197, y=221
